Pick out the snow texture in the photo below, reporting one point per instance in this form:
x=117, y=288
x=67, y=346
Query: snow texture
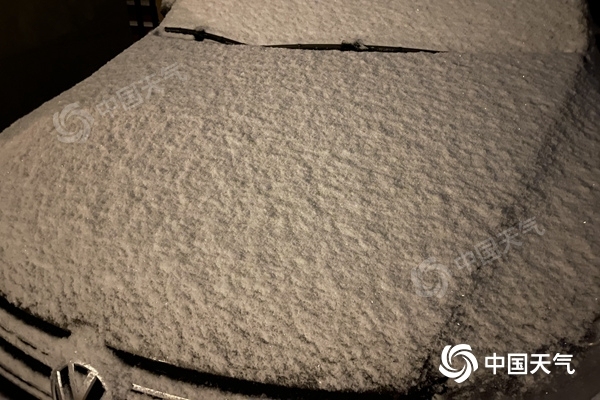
x=166, y=5
x=261, y=218
x=458, y=25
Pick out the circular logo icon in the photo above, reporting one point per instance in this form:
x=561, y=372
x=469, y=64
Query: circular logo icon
x=422, y=286
x=464, y=351
x=84, y=127
x=76, y=381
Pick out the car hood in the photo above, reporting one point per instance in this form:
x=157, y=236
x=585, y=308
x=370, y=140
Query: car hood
x=294, y=217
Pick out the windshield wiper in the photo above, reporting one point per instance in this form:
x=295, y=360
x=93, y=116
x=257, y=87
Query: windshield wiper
x=200, y=35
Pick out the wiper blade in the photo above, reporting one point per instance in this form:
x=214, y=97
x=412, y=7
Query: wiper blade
x=200, y=35
x=358, y=46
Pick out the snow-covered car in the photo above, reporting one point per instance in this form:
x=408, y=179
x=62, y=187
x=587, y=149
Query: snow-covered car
x=304, y=199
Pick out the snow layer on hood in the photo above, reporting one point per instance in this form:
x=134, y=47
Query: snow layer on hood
x=262, y=218
x=460, y=25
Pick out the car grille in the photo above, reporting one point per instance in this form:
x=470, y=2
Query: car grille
x=23, y=360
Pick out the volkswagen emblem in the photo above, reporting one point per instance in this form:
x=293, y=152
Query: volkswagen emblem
x=76, y=381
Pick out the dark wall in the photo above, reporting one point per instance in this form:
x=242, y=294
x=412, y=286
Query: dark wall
x=46, y=47
x=594, y=8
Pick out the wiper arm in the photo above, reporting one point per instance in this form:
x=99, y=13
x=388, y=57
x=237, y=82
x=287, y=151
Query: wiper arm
x=357, y=46
x=200, y=35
